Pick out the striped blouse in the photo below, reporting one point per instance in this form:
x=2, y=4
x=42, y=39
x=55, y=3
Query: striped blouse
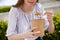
x=19, y=21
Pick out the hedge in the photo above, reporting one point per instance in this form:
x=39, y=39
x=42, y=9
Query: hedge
x=54, y=36
x=4, y=9
x=3, y=27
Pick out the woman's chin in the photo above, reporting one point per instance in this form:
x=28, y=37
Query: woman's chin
x=31, y=5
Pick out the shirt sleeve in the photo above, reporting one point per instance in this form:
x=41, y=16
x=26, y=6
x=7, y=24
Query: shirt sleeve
x=12, y=22
x=43, y=16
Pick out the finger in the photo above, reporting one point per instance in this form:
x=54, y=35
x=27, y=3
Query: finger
x=36, y=32
x=33, y=33
x=49, y=17
x=49, y=12
x=32, y=29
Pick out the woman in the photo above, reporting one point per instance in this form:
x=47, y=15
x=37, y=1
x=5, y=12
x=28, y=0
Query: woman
x=19, y=27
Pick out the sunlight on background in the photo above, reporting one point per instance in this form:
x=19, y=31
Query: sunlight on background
x=7, y=2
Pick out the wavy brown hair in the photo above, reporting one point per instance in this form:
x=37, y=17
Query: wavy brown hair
x=19, y=3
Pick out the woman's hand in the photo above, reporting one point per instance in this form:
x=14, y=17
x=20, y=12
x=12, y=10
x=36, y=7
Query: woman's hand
x=30, y=34
x=50, y=19
x=21, y=36
x=49, y=15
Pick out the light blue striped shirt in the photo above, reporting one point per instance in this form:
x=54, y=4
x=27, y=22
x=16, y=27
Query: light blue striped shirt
x=19, y=21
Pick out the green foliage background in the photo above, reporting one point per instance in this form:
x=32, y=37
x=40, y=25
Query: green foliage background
x=4, y=9
x=54, y=36
x=3, y=27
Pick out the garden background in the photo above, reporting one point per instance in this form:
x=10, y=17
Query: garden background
x=48, y=5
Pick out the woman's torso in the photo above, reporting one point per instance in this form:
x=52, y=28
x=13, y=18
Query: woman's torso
x=23, y=19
